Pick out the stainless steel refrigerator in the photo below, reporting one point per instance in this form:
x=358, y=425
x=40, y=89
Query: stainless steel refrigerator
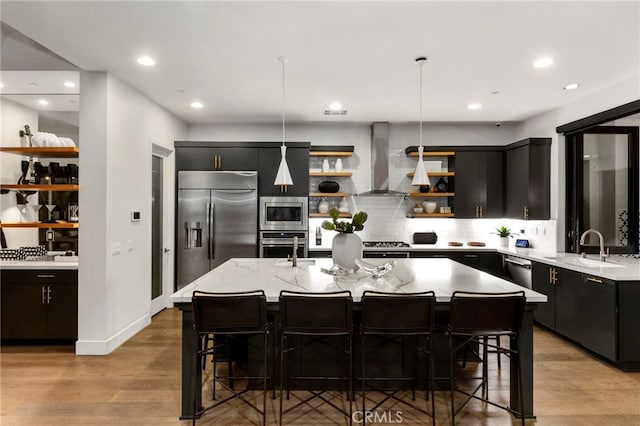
x=217, y=219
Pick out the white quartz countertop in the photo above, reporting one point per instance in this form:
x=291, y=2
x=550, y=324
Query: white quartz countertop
x=409, y=275
x=616, y=267
x=37, y=264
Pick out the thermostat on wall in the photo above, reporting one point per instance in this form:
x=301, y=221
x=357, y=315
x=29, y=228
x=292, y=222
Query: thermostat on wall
x=135, y=216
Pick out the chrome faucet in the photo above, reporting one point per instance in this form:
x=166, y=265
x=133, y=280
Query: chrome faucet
x=294, y=259
x=603, y=255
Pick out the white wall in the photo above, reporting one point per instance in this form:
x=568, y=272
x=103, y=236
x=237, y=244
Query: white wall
x=117, y=126
x=544, y=125
x=13, y=117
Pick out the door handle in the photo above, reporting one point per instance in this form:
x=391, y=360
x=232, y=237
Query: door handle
x=43, y=298
x=48, y=295
x=208, y=230
x=477, y=210
x=481, y=213
x=595, y=280
x=167, y=250
x=212, y=240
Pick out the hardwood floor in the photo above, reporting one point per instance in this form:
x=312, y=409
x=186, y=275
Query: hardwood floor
x=139, y=384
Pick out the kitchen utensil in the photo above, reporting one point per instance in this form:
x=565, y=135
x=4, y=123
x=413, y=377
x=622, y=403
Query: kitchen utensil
x=425, y=238
x=455, y=244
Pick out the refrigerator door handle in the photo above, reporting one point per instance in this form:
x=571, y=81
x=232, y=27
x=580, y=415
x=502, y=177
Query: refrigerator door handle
x=212, y=232
x=208, y=230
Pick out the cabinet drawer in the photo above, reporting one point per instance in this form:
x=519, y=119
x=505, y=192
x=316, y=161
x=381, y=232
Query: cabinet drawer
x=40, y=276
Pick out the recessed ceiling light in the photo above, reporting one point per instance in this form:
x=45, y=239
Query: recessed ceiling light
x=146, y=61
x=69, y=84
x=43, y=102
x=1, y=85
x=543, y=62
x=335, y=106
x=33, y=84
x=495, y=92
x=474, y=105
x=571, y=86
x=197, y=105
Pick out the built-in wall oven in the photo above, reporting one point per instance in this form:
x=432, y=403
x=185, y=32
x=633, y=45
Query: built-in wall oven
x=280, y=244
x=282, y=219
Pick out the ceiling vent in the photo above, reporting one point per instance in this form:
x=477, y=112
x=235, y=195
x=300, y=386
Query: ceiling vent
x=332, y=112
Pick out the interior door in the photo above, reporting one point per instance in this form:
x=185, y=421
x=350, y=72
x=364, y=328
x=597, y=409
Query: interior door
x=158, y=295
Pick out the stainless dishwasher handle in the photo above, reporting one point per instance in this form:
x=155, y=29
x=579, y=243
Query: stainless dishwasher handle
x=46, y=276
x=522, y=265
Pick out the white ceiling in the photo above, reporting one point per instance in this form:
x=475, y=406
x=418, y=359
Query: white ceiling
x=359, y=53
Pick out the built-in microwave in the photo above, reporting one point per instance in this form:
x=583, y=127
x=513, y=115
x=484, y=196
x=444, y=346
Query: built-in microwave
x=284, y=213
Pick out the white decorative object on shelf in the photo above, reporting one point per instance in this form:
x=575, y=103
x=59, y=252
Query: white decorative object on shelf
x=429, y=206
x=338, y=165
x=325, y=166
x=323, y=206
x=343, y=206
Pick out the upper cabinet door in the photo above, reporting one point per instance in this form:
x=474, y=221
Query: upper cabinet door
x=528, y=179
x=479, y=190
x=298, y=162
x=216, y=158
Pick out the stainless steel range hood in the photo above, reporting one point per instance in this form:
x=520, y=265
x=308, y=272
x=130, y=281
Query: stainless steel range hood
x=380, y=162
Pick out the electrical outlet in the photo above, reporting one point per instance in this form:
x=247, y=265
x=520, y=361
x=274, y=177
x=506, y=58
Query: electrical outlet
x=49, y=235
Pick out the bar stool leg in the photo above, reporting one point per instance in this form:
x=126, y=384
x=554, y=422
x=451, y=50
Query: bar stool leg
x=364, y=390
x=282, y=350
x=452, y=368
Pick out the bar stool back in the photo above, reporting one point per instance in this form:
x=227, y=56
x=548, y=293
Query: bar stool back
x=228, y=316
x=473, y=318
x=392, y=316
x=315, y=317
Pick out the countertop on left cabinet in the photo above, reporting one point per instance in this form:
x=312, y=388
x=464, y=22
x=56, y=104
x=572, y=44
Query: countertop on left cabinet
x=38, y=264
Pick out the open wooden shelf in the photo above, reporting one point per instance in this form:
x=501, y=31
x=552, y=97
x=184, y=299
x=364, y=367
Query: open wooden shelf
x=329, y=194
x=416, y=215
x=434, y=174
x=57, y=225
x=347, y=215
x=55, y=187
x=433, y=154
x=330, y=174
x=48, y=152
x=431, y=194
x=330, y=154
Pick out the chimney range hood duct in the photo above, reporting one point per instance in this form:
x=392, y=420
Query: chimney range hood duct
x=380, y=162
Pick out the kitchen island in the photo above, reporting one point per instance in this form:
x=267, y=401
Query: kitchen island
x=443, y=276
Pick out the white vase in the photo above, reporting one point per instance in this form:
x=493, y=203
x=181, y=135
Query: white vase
x=346, y=248
x=325, y=165
x=338, y=165
x=323, y=206
x=504, y=241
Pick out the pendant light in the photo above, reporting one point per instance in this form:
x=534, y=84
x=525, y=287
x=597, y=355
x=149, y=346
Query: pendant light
x=283, y=177
x=420, y=176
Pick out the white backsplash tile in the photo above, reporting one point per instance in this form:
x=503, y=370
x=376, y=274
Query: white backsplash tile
x=388, y=221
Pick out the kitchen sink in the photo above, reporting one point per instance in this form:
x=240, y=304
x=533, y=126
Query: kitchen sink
x=301, y=262
x=587, y=263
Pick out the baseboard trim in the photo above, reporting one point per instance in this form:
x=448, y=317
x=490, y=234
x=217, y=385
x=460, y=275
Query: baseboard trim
x=105, y=347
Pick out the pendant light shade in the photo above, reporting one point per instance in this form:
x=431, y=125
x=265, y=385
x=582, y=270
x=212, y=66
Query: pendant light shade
x=420, y=176
x=283, y=177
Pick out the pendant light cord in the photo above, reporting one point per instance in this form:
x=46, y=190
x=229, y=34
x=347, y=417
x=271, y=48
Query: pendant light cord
x=420, y=66
x=283, y=60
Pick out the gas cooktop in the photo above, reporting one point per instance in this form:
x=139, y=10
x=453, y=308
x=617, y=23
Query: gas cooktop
x=385, y=244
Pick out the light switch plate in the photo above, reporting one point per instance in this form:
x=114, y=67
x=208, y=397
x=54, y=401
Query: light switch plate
x=130, y=245
x=115, y=248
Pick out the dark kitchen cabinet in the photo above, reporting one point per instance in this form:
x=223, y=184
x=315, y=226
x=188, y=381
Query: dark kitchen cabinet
x=527, y=179
x=595, y=312
x=216, y=158
x=298, y=162
x=543, y=278
x=479, y=184
x=39, y=304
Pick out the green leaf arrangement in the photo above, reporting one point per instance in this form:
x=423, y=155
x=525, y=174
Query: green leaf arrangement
x=503, y=231
x=343, y=227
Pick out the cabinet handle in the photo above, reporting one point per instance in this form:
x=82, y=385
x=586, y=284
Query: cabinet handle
x=595, y=280
x=481, y=212
x=526, y=212
x=46, y=276
x=471, y=255
x=43, y=299
x=48, y=295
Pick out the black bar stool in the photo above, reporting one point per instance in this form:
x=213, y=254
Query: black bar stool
x=474, y=318
x=315, y=318
x=393, y=317
x=230, y=317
